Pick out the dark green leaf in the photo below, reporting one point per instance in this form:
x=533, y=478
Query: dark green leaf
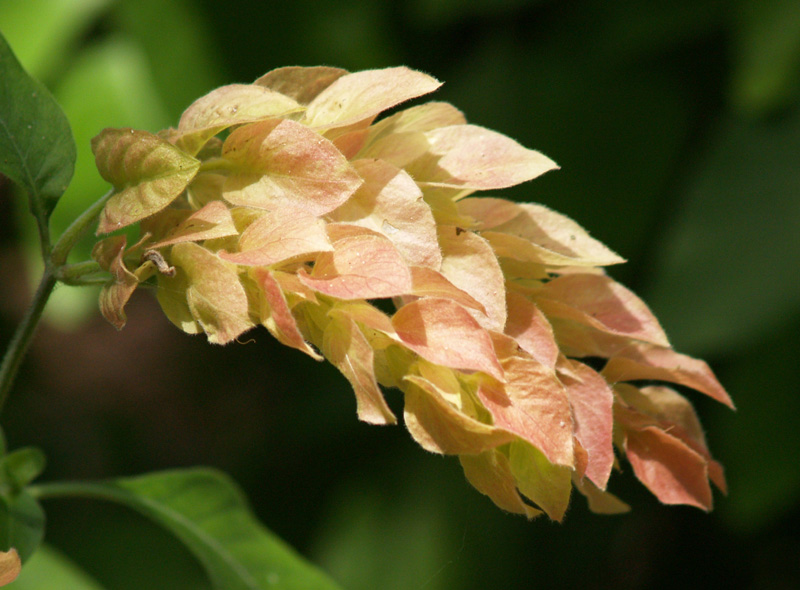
x=37, y=150
x=21, y=524
x=208, y=512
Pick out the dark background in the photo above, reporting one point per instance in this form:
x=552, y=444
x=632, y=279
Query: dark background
x=676, y=124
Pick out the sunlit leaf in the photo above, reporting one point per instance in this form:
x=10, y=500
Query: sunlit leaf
x=665, y=405
x=360, y=267
x=668, y=467
x=225, y=107
x=421, y=118
x=533, y=405
x=489, y=212
x=301, y=84
x=440, y=427
x=426, y=282
x=147, y=174
x=211, y=221
x=400, y=139
x=643, y=361
x=674, y=414
x=591, y=400
x=278, y=235
x=547, y=485
x=530, y=328
x=362, y=95
x=398, y=149
x=390, y=202
x=601, y=303
x=280, y=162
x=276, y=315
x=215, y=296
x=349, y=351
x=444, y=333
x=369, y=316
x=490, y=473
x=470, y=264
x=472, y=157
x=535, y=234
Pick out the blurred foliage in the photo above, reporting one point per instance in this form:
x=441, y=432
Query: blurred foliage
x=677, y=127
x=48, y=565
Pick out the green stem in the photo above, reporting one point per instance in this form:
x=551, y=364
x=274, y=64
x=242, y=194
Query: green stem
x=54, y=270
x=81, y=274
x=76, y=230
x=77, y=489
x=215, y=165
x=43, y=223
x=24, y=335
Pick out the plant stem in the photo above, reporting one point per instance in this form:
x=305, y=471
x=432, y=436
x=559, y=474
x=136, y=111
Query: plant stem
x=43, y=223
x=76, y=230
x=54, y=270
x=81, y=274
x=24, y=335
x=214, y=165
x=77, y=489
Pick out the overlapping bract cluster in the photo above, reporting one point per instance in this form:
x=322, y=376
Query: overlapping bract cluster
x=285, y=204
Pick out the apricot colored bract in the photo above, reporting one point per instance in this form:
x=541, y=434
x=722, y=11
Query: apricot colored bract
x=10, y=566
x=286, y=204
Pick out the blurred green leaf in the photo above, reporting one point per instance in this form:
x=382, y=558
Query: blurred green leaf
x=42, y=31
x=761, y=442
x=174, y=39
x=19, y=468
x=766, y=55
x=21, y=524
x=726, y=273
x=359, y=33
x=49, y=569
x=390, y=540
x=634, y=29
x=37, y=150
x=440, y=13
x=209, y=514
